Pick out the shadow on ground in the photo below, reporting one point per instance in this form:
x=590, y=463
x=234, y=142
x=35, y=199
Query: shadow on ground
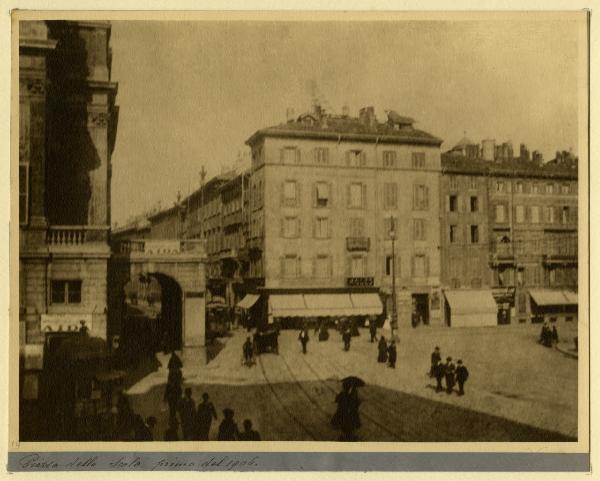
x=283, y=412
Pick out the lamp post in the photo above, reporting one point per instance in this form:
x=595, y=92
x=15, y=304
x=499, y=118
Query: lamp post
x=394, y=320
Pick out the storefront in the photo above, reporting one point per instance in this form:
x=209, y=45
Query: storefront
x=553, y=305
x=470, y=308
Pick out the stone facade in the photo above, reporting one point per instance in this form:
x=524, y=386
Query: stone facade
x=67, y=131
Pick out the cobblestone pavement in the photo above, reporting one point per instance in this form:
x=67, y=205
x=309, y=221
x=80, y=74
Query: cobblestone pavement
x=518, y=390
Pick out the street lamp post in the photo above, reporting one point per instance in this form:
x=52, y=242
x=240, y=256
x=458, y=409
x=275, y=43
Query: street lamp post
x=394, y=320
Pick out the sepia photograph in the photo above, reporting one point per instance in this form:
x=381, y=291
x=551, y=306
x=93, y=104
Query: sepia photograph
x=346, y=230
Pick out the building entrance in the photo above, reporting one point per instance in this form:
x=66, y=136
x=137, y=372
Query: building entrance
x=420, y=309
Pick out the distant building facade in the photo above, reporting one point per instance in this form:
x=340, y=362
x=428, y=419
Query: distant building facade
x=510, y=225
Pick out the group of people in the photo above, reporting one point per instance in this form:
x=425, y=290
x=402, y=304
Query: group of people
x=449, y=372
x=548, y=335
x=387, y=352
x=195, y=420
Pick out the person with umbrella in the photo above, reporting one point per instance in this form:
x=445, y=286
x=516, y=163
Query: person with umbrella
x=346, y=416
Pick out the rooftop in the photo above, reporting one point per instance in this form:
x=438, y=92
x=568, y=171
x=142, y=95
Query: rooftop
x=366, y=128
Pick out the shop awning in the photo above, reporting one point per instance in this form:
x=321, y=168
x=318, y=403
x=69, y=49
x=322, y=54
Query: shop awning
x=248, y=301
x=367, y=303
x=287, y=305
x=471, y=301
x=553, y=297
x=571, y=297
x=328, y=305
x=471, y=308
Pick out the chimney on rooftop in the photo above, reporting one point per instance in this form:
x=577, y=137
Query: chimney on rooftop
x=367, y=117
x=289, y=114
x=488, y=147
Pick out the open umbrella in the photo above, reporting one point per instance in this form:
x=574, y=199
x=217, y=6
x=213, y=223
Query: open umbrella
x=352, y=381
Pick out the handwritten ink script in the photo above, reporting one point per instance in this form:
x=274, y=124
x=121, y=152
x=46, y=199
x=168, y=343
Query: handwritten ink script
x=127, y=462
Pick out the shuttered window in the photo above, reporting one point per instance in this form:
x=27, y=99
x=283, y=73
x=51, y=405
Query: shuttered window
x=420, y=197
x=390, y=195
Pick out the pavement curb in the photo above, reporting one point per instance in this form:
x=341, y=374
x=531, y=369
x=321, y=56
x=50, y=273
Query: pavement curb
x=573, y=355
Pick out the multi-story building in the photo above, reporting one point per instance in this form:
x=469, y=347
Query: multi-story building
x=509, y=226
x=67, y=131
x=323, y=191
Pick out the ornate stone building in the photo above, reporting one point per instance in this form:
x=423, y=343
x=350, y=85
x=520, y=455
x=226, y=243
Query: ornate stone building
x=68, y=120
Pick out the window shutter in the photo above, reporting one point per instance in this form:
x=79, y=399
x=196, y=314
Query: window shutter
x=314, y=230
x=364, y=196
x=348, y=198
x=424, y=229
x=527, y=213
x=299, y=224
x=314, y=195
x=330, y=192
x=415, y=200
x=426, y=266
x=426, y=200
x=329, y=221
x=298, y=194
x=282, y=194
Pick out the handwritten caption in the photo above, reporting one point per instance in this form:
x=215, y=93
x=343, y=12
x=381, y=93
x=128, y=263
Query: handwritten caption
x=107, y=462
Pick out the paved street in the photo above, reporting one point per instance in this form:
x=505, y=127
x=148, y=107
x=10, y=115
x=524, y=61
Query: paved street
x=517, y=390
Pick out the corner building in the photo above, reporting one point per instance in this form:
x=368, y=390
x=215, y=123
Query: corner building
x=323, y=190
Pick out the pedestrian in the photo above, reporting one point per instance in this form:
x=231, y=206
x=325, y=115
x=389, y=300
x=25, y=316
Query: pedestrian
x=171, y=433
x=303, y=338
x=439, y=372
x=187, y=414
x=248, y=351
x=392, y=355
x=228, y=430
x=144, y=431
x=323, y=333
x=346, y=337
x=249, y=434
x=172, y=397
x=435, y=358
x=205, y=415
x=372, y=328
x=554, y=334
x=462, y=374
x=383, y=350
x=449, y=372
x=174, y=361
x=546, y=335
x=346, y=416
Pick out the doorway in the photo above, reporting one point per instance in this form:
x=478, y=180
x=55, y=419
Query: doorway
x=421, y=308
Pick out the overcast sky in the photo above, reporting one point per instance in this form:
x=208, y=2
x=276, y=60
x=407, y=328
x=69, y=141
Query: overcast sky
x=191, y=93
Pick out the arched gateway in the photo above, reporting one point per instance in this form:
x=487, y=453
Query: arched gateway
x=179, y=268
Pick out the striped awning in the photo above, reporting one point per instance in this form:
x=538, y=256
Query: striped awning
x=367, y=303
x=553, y=297
x=287, y=305
x=324, y=305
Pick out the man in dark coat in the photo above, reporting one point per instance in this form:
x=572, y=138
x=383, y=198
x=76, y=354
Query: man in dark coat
x=205, y=415
x=462, y=374
x=346, y=337
x=248, y=351
x=435, y=358
x=187, y=414
x=249, y=434
x=174, y=361
x=392, y=355
x=303, y=338
x=228, y=430
x=373, y=328
x=382, y=350
x=172, y=397
x=438, y=372
x=449, y=372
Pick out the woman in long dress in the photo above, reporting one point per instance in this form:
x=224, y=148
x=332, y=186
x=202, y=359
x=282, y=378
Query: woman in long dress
x=383, y=350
